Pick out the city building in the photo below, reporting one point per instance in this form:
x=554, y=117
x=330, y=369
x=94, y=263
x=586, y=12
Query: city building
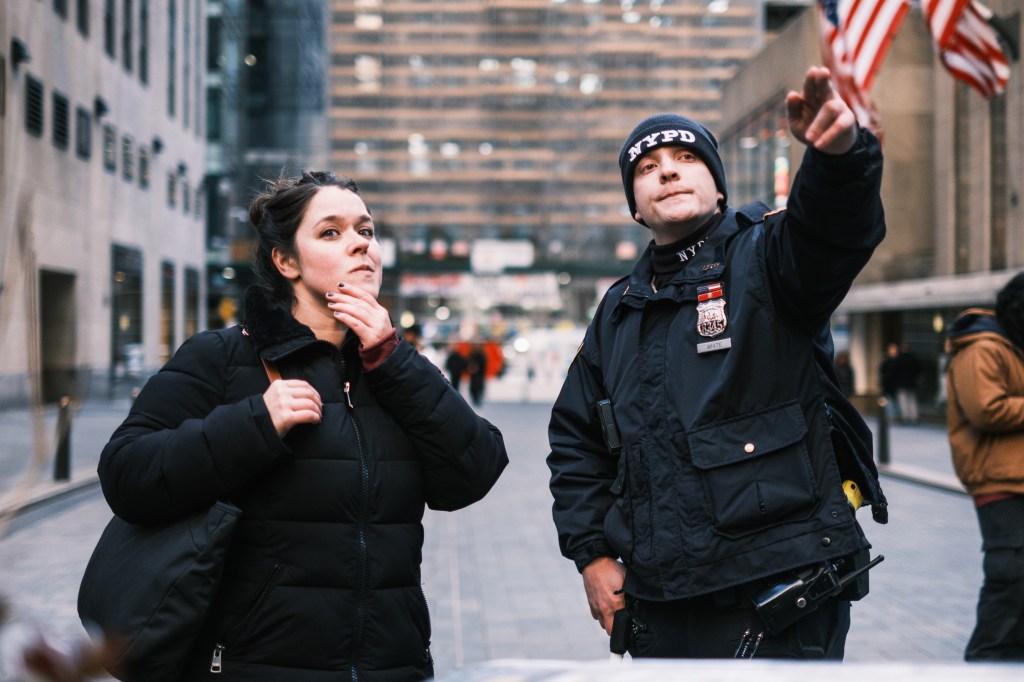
x=266, y=80
x=485, y=134
x=102, y=108
x=954, y=167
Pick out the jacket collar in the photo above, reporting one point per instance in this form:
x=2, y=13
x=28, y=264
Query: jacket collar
x=974, y=324
x=707, y=264
x=272, y=328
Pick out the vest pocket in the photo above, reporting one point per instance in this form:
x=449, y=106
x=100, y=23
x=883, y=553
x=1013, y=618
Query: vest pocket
x=755, y=469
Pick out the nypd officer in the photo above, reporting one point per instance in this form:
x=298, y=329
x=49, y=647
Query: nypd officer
x=701, y=442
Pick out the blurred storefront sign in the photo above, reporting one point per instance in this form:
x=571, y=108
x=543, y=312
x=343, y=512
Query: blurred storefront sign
x=538, y=291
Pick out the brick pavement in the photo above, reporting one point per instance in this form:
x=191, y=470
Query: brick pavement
x=495, y=583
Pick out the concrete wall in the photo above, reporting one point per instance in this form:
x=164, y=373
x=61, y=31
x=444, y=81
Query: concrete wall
x=70, y=211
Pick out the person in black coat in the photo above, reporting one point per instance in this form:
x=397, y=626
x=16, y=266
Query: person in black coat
x=455, y=364
x=476, y=365
x=700, y=443
x=332, y=464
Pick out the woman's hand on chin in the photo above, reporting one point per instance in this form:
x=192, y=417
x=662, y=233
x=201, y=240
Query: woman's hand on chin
x=360, y=312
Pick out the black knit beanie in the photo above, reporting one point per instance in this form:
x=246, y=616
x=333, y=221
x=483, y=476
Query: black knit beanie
x=669, y=129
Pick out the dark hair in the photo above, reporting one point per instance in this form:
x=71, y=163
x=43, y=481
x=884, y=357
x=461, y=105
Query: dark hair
x=1010, y=309
x=276, y=213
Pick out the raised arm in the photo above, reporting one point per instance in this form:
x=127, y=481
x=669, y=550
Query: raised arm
x=834, y=217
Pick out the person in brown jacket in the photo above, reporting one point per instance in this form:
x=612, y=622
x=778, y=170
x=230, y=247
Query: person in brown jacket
x=985, y=421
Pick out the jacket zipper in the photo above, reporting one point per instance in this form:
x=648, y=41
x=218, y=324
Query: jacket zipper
x=217, y=662
x=362, y=588
x=429, y=629
x=364, y=510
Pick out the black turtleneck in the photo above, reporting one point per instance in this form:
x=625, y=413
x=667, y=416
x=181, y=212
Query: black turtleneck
x=668, y=259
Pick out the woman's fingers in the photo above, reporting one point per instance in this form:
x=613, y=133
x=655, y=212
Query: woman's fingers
x=359, y=311
x=291, y=402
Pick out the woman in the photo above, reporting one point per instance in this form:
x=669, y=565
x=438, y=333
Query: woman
x=331, y=465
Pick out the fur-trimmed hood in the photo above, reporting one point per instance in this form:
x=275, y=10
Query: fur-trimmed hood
x=273, y=329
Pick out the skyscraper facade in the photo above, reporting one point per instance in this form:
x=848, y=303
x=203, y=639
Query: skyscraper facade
x=484, y=134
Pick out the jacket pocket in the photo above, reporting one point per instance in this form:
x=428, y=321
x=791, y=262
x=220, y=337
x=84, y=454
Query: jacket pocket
x=618, y=522
x=235, y=633
x=755, y=469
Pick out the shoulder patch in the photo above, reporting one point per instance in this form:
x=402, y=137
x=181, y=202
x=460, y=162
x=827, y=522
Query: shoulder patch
x=577, y=353
x=751, y=214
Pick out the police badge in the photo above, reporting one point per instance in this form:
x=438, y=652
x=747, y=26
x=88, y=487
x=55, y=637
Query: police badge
x=711, y=310
x=711, y=317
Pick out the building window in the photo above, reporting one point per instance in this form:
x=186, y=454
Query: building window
x=144, y=41
x=172, y=66
x=167, y=291
x=82, y=17
x=197, y=201
x=127, y=157
x=213, y=114
x=126, y=35
x=83, y=133
x=198, y=92
x=186, y=197
x=61, y=8
x=186, y=63
x=144, y=167
x=108, y=28
x=61, y=121
x=213, y=43
x=109, y=148
x=191, y=302
x=34, y=106
x=126, y=311
x=172, y=188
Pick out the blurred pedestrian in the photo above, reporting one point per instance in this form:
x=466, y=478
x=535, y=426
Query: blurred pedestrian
x=906, y=371
x=887, y=379
x=413, y=335
x=332, y=465
x=985, y=421
x=476, y=367
x=844, y=373
x=698, y=455
x=455, y=365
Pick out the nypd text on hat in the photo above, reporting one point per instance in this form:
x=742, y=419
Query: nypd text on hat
x=658, y=139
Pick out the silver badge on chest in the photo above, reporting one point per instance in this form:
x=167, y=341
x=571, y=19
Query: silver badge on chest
x=711, y=317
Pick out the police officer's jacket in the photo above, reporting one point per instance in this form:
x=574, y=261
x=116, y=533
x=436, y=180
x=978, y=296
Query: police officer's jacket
x=735, y=441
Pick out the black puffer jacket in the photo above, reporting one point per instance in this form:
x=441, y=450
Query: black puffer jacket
x=323, y=578
x=735, y=445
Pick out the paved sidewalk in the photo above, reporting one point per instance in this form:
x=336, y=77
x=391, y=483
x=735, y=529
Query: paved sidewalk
x=494, y=581
x=28, y=446
x=918, y=453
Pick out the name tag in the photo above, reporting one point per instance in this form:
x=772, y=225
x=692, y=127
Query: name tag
x=712, y=346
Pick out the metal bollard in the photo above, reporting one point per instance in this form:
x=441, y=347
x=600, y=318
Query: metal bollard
x=883, y=430
x=62, y=461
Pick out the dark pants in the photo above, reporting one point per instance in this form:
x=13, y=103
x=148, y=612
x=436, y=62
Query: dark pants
x=703, y=628
x=999, y=633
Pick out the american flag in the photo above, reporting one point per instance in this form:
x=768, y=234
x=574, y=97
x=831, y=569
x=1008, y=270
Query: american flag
x=968, y=46
x=855, y=37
